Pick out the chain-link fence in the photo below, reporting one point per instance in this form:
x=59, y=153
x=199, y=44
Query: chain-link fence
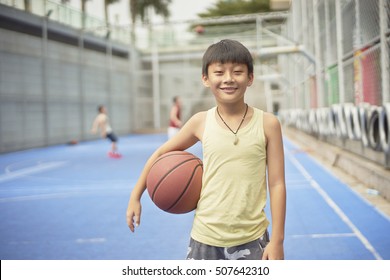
x=349, y=97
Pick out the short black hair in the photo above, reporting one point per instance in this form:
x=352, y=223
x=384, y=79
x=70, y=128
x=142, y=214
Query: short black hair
x=100, y=108
x=227, y=51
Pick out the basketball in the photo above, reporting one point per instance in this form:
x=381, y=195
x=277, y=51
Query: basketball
x=174, y=182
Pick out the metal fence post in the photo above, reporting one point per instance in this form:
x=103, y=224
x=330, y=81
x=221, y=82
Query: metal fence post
x=304, y=94
x=318, y=62
x=339, y=33
x=327, y=49
x=156, y=87
x=384, y=23
x=81, y=87
x=44, y=79
x=109, y=72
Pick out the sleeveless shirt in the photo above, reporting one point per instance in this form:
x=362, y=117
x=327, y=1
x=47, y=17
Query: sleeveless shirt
x=230, y=210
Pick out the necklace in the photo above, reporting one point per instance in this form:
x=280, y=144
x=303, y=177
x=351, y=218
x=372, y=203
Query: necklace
x=235, y=133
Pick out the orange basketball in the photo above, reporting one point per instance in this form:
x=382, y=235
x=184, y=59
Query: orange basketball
x=174, y=182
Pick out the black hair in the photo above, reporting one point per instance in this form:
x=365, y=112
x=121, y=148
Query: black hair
x=100, y=108
x=227, y=51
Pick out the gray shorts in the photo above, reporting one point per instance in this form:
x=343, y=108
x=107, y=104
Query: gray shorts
x=249, y=251
x=112, y=137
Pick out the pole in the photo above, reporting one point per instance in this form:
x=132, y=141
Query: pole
x=156, y=88
x=339, y=33
x=383, y=19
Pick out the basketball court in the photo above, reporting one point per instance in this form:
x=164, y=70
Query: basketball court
x=69, y=202
x=321, y=66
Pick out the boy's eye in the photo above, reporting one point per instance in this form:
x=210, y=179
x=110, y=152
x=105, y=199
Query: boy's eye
x=218, y=72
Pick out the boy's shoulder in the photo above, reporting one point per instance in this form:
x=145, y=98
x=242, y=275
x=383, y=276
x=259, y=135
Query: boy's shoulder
x=270, y=119
x=200, y=116
x=101, y=117
x=198, y=119
x=271, y=123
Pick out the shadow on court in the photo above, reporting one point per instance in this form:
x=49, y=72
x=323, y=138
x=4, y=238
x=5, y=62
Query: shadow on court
x=69, y=202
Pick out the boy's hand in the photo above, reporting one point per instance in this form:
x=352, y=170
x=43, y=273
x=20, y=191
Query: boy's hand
x=133, y=214
x=273, y=251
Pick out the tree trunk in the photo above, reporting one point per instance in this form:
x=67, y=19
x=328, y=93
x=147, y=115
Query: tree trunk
x=27, y=6
x=83, y=13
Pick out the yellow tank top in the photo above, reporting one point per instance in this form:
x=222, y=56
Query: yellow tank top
x=230, y=210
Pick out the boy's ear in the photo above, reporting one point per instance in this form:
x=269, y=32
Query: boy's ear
x=205, y=80
x=251, y=78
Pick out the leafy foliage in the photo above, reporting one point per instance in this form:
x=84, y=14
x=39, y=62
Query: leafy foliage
x=140, y=7
x=236, y=7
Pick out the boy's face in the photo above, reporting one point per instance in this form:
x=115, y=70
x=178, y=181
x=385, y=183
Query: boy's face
x=228, y=81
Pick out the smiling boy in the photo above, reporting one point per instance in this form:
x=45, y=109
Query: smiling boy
x=240, y=145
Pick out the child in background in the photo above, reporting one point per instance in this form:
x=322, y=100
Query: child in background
x=102, y=123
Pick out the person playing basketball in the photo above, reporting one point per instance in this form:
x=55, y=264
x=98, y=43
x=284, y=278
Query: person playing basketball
x=102, y=123
x=240, y=145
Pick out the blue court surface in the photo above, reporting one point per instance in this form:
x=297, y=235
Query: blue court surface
x=69, y=202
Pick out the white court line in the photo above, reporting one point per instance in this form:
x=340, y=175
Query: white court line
x=334, y=206
x=35, y=197
x=324, y=235
x=10, y=175
x=91, y=240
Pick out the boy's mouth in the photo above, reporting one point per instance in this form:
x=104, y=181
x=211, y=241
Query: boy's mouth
x=228, y=89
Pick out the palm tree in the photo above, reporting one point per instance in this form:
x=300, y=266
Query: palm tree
x=83, y=12
x=236, y=7
x=27, y=5
x=230, y=8
x=106, y=4
x=139, y=8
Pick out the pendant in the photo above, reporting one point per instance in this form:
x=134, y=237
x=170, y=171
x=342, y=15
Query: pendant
x=235, y=139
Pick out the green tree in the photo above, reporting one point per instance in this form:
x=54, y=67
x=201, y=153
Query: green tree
x=139, y=8
x=231, y=8
x=27, y=5
x=236, y=7
x=106, y=4
x=83, y=12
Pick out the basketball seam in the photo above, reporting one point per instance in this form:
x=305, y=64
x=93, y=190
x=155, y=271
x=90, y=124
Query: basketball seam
x=167, y=173
x=172, y=154
x=185, y=189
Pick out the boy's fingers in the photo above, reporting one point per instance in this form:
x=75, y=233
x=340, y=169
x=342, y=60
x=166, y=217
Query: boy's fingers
x=133, y=221
x=130, y=221
x=137, y=220
x=133, y=217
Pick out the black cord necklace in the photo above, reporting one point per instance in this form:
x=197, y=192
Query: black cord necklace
x=235, y=133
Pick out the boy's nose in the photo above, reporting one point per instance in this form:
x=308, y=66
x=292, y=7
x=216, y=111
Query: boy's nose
x=228, y=78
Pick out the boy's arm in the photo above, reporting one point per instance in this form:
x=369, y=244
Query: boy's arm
x=99, y=123
x=102, y=127
x=187, y=136
x=95, y=125
x=276, y=185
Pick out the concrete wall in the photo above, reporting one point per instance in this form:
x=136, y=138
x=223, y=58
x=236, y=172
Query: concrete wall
x=52, y=79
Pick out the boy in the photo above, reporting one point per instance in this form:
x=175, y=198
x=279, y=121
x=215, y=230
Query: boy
x=102, y=123
x=239, y=143
x=175, y=118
